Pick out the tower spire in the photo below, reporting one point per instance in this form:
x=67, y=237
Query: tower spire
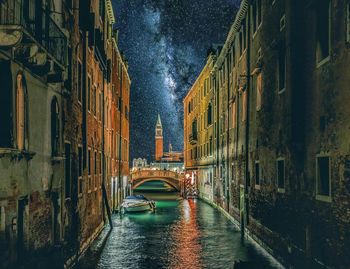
x=159, y=122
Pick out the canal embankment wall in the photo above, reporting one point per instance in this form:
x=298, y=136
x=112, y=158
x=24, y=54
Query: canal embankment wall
x=248, y=235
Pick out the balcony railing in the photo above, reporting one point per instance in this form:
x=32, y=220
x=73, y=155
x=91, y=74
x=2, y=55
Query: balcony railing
x=36, y=24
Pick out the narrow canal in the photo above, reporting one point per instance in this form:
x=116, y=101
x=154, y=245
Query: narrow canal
x=182, y=234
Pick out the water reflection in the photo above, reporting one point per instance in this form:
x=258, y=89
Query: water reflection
x=180, y=235
x=187, y=250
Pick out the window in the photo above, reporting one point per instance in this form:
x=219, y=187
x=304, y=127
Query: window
x=101, y=106
x=256, y=15
x=257, y=173
x=100, y=163
x=95, y=163
x=80, y=82
x=55, y=127
x=233, y=114
x=20, y=111
x=280, y=174
x=194, y=129
x=211, y=146
x=6, y=105
x=244, y=106
x=95, y=169
x=281, y=70
x=209, y=114
x=89, y=162
x=89, y=93
x=243, y=37
x=126, y=113
x=2, y=219
x=80, y=161
x=283, y=22
x=94, y=101
x=67, y=170
x=101, y=9
x=323, y=29
x=348, y=22
x=323, y=176
x=258, y=91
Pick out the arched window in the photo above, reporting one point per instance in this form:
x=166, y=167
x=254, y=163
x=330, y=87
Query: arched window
x=20, y=111
x=55, y=127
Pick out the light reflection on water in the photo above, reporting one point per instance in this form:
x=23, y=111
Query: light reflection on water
x=180, y=235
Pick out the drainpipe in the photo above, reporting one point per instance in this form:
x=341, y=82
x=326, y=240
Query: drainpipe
x=227, y=142
x=120, y=141
x=217, y=123
x=247, y=176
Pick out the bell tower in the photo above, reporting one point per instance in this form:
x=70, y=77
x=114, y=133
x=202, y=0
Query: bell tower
x=159, y=140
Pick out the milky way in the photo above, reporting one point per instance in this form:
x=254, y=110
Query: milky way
x=165, y=42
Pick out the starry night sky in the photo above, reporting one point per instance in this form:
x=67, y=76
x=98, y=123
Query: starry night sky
x=165, y=43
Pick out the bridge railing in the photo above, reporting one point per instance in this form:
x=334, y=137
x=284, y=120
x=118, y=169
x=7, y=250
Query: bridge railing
x=154, y=173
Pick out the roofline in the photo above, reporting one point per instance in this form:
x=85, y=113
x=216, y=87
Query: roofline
x=119, y=56
x=231, y=35
x=110, y=12
x=211, y=59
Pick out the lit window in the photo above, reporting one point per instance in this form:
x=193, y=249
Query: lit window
x=323, y=183
x=323, y=29
x=280, y=174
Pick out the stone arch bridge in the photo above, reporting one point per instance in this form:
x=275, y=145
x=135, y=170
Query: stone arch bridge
x=139, y=177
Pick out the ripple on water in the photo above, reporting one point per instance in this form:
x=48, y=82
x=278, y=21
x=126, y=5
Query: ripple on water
x=180, y=235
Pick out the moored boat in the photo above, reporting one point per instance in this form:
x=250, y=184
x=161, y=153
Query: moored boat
x=137, y=203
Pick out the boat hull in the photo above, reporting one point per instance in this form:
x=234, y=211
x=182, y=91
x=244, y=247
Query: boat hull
x=139, y=208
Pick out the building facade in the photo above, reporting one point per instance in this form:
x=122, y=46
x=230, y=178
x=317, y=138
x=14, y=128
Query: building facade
x=58, y=62
x=280, y=143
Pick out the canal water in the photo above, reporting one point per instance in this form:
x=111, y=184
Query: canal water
x=182, y=234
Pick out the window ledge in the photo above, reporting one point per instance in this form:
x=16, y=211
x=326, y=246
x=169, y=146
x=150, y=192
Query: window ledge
x=57, y=159
x=282, y=90
x=322, y=62
x=281, y=190
x=324, y=198
x=16, y=153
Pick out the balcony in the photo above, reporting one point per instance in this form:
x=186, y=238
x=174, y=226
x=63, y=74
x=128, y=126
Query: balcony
x=37, y=39
x=192, y=138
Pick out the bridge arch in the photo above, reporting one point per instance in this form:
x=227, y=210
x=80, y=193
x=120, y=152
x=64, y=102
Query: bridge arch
x=140, y=177
x=166, y=180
